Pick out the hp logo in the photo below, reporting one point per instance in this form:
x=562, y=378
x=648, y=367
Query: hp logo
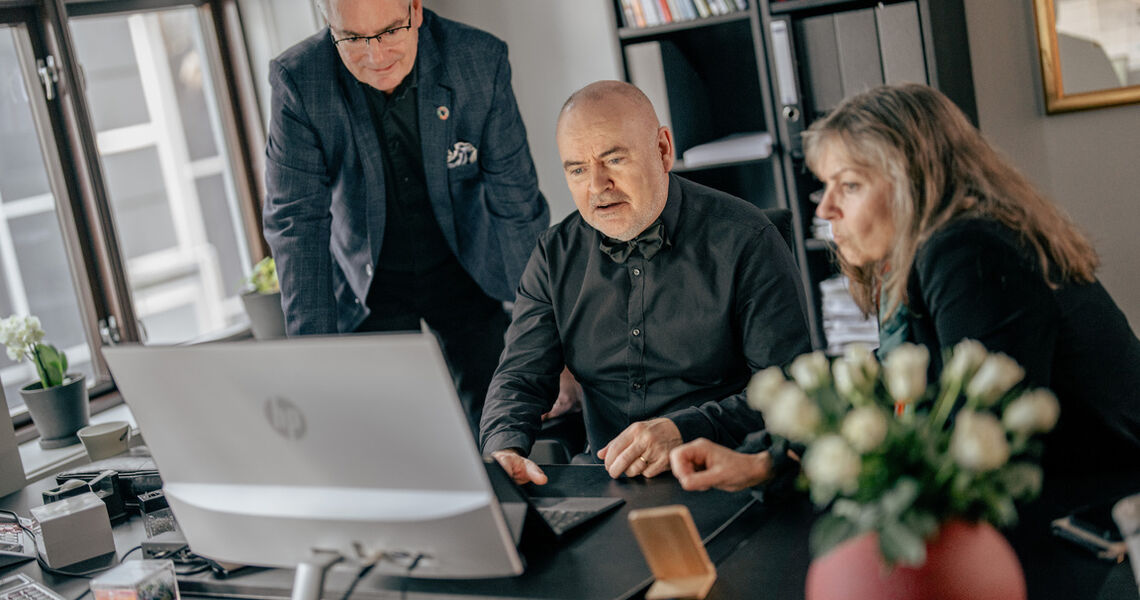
x=284, y=417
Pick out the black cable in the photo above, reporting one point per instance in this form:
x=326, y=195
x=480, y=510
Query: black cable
x=128, y=553
x=407, y=574
x=352, y=586
x=87, y=591
x=81, y=575
x=44, y=566
x=201, y=568
x=16, y=519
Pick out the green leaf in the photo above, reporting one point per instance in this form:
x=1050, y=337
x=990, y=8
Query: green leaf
x=51, y=365
x=901, y=545
x=900, y=497
x=828, y=532
x=921, y=522
x=1022, y=480
x=1003, y=511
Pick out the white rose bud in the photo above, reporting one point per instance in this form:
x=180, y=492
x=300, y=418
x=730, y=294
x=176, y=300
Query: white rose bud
x=763, y=386
x=1035, y=411
x=831, y=463
x=862, y=355
x=978, y=442
x=844, y=374
x=996, y=376
x=855, y=371
x=811, y=370
x=864, y=428
x=964, y=361
x=792, y=414
x=904, y=372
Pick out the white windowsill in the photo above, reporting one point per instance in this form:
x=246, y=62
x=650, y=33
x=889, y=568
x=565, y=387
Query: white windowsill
x=39, y=463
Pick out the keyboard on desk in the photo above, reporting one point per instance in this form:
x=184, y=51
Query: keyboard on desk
x=565, y=514
x=21, y=587
x=15, y=545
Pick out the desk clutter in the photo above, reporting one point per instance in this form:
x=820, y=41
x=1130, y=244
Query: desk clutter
x=73, y=526
x=73, y=529
x=137, y=580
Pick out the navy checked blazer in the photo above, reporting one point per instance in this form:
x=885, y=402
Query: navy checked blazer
x=324, y=213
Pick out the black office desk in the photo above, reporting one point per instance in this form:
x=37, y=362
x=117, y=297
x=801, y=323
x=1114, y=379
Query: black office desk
x=602, y=561
x=762, y=554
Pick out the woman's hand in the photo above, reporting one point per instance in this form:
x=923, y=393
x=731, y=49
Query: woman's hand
x=701, y=464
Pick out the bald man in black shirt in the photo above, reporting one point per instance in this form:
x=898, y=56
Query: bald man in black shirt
x=662, y=297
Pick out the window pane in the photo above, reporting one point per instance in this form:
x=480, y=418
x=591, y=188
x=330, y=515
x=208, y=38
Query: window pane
x=185, y=63
x=34, y=274
x=167, y=175
x=139, y=200
x=114, y=85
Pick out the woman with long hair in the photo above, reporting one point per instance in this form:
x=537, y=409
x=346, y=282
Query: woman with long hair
x=944, y=240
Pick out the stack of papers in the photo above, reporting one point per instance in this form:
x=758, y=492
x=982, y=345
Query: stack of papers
x=843, y=322
x=736, y=147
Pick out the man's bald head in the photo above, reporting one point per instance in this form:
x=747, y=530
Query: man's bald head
x=616, y=157
x=611, y=96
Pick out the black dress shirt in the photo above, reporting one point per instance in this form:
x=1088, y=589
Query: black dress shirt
x=677, y=335
x=413, y=241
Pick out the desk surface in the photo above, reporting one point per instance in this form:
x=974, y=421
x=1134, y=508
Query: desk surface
x=763, y=554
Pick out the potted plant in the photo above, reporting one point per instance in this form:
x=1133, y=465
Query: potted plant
x=262, y=301
x=912, y=495
x=57, y=402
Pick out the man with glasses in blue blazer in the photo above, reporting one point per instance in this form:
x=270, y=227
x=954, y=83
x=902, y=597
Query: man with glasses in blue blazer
x=399, y=183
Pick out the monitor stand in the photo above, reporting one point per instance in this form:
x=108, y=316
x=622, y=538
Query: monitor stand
x=309, y=581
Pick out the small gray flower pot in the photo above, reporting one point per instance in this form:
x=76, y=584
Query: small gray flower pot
x=266, y=318
x=58, y=412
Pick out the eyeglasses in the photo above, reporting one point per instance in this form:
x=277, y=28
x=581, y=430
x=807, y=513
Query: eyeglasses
x=360, y=43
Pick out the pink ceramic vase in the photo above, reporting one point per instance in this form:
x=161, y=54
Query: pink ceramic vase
x=966, y=561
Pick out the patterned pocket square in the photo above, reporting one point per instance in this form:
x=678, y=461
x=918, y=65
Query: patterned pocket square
x=462, y=153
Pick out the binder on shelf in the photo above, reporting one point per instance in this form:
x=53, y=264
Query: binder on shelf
x=821, y=58
x=647, y=72
x=650, y=10
x=688, y=12
x=666, y=13
x=638, y=13
x=900, y=43
x=787, y=88
x=702, y=7
x=736, y=147
x=628, y=18
x=857, y=42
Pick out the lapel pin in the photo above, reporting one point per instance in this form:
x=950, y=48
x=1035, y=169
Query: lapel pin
x=442, y=113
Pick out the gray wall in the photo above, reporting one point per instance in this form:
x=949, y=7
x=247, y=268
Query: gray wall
x=1087, y=162
x=556, y=47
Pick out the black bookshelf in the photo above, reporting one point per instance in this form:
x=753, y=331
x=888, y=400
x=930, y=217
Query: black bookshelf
x=652, y=31
x=841, y=47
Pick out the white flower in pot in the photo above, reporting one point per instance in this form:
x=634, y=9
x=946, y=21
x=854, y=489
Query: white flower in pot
x=57, y=402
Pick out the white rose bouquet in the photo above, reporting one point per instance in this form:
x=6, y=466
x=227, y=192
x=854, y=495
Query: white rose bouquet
x=23, y=336
x=891, y=454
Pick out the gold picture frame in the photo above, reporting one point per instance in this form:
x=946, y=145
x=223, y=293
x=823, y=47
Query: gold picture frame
x=1061, y=53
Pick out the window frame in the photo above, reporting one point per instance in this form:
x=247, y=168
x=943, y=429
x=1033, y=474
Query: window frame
x=75, y=171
